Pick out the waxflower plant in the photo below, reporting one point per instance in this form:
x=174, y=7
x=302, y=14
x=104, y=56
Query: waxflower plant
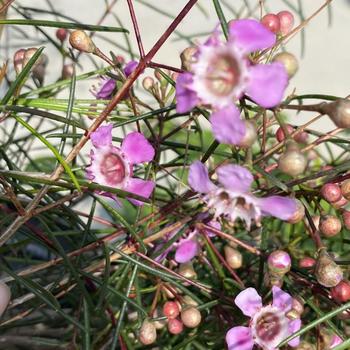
x=175, y=205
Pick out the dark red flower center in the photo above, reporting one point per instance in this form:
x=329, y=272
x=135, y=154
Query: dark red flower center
x=113, y=169
x=268, y=326
x=223, y=75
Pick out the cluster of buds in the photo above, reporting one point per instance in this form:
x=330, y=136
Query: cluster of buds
x=287, y=128
x=177, y=317
x=279, y=263
x=280, y=23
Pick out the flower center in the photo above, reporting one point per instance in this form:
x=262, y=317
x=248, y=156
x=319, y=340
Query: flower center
x=223, y=75
x=268, y=326
x=113, y=169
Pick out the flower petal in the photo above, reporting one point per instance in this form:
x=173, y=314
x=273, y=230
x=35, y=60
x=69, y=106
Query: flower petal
x=293, y=327
x=336, y=340
x=280, y=207
x=137, y=148
x=198, y=178
x=235, y=177
x=130, y=67
x=250, y=35
x=186, y=98
x=186, y=251
x=140, y=187
x=249, y=301
x=102, y=136
x=267, y=83
x=227, y=125
x=106, y=89
x=239, y=338
x=281, y=299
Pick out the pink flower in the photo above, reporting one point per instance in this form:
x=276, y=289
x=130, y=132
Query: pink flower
x=223, y=73
x=336, y=340
x=113, y=166
x=269, y=324
x=233, y=198
x=105, y=89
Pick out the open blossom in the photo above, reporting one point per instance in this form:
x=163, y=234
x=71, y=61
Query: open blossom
x=223, y=73
x=269, y=324
x=185, y=248
x=105, y=89
x=233, y=199
x=112, y=166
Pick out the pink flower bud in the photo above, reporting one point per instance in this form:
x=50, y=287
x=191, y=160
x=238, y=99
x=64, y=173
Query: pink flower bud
x=271, y=22
x=330, y=225
x=341, y=292
x=331, y=192
x=18, y=60
x=81, y=41
x=171, y=309
x=61, y=34
x=279, y=263
x=286, y=21
x=307, y=262
x=175, y=326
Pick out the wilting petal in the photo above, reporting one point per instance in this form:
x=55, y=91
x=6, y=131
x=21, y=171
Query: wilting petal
x=130, y=67
x=280, y=207
x=137, y=149
x=239, y=338
x=249, y=301
x=293, y=327
x=106, y=89
x=336, y=340
x=250, y=35
x=227, y=125
x=140, y=187
x=186, y=98
x=198, y=178
x=281, y=299
x=186, y=251
x=267, y=83
x=235, y=177
x=102, y=136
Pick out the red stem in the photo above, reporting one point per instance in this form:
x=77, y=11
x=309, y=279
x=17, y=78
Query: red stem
x=136, y=29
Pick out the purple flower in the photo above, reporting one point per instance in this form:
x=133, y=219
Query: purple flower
x=105, y=89
x=113, y=166
x=223, y=73
x=130, y=67
x=233, y=198
x=269, y=324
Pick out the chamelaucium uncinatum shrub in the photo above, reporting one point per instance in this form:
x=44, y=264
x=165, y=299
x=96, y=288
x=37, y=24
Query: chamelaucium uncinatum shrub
x=178, y=203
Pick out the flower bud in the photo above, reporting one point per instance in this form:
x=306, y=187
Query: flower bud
x=81, y=41
x=171, y=309
x=233, y=257
x=346, y=218
x=40, y=69
x=188, y=57
x=5, y=296
x=286, y=21
x=289, y=62
x=148, y=333
x=331, y=192
x=191, y=317
x=307, y=262
x=339, y=112
x=250, y=135
x=341, y=292
x=67, y=71
x=271, y=22
x=342, y=202
x=187, y=300
x=29, y=53
x=18, y=60
x=148, y=83
x=187, y=271
x=292, y=161
x=329, y=225
x=175, y=326
x=299, y=213
x=327, y=272
x=279, y=263
x=61, y=34
x=345, y=189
